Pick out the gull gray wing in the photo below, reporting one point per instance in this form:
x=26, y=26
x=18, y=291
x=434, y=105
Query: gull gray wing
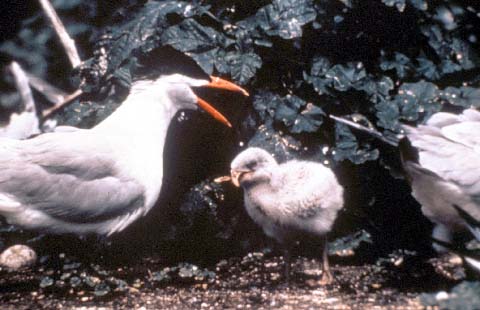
x=69, y=176
x=450, y=148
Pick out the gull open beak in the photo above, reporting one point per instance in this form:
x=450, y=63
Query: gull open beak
x=219, y=83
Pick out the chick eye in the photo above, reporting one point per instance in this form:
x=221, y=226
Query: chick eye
x=251, y=165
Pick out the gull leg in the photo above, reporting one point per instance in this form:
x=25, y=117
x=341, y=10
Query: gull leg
x=442, y=233
x=327, y=276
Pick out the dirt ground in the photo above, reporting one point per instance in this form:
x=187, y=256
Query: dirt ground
x=252, y=282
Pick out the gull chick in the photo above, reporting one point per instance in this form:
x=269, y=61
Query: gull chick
x=289, y=200
x=102, y=179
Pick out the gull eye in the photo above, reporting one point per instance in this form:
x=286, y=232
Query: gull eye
x=251, y=165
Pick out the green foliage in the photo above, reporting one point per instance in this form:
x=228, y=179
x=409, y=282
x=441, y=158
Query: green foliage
x=387, y=62
x=289, y=47
x=283, y=18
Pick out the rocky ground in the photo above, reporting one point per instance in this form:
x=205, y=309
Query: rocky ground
x=252, y=282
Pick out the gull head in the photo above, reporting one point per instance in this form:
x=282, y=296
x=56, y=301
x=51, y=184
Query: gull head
x=248, y=167
x=179, y=90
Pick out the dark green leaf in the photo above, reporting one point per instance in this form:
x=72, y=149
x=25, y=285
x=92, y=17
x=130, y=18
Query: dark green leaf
x=344, y=77
x=309, y=120
x=285, y=18
x=464, y=96
x=427, y=68
x=400, y=64
x=347, y=147
x=243, y=66
x=190, y=36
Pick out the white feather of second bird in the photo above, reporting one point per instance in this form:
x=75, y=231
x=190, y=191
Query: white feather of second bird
x=448, y=172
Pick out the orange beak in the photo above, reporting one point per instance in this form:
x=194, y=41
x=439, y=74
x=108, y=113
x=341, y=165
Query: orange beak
x=219, y=83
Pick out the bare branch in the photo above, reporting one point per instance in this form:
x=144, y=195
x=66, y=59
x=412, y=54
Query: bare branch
x=67, y=42
x=369, y=131
x=52, y=93
x=21, y=83
x=25, y=124
x=66, y=100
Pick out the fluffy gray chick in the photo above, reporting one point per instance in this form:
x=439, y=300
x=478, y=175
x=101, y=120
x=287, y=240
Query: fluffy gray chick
x=288, y=200
x=442, y=161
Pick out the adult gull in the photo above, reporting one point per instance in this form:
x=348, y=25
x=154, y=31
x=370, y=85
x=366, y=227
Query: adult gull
x=98, y=180
x=441, y=160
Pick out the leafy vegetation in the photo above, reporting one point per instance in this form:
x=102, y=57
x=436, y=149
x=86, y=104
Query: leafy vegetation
x=384, y=61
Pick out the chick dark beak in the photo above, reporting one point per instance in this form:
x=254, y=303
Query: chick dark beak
x=236, y=175
x=219, y=83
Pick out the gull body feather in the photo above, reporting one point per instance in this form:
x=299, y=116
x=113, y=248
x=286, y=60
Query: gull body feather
x=447, y=170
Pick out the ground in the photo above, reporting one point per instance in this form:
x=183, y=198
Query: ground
x=252, y=282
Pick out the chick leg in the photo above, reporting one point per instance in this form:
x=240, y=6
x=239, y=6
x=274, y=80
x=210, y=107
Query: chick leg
x=288, y=261
x=327, y=276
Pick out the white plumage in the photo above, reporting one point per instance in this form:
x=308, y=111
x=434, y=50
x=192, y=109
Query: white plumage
x=445, y=171
x=102, y=179
x=442, y=163
x=290, y=199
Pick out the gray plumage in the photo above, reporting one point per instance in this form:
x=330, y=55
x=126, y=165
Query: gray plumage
x=289, y=199
x=445, y=173
x=441, y=160
x=97, y=180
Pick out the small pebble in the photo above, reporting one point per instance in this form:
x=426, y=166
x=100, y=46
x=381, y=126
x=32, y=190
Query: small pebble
x=17, y=257
x=441, y=295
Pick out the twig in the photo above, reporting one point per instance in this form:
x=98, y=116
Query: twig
x=369, y=131
x=50, y=92
x=56, y=96
x=67, y=42
x=21, y=83
x=26, y=123
x=66, y=100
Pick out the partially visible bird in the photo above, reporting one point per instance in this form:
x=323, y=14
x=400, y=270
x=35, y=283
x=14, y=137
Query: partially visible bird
x=441, y=160
x=289, y=200
x=469, y=253
x=102, y=179
x=472, y=224
x=469, y=256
